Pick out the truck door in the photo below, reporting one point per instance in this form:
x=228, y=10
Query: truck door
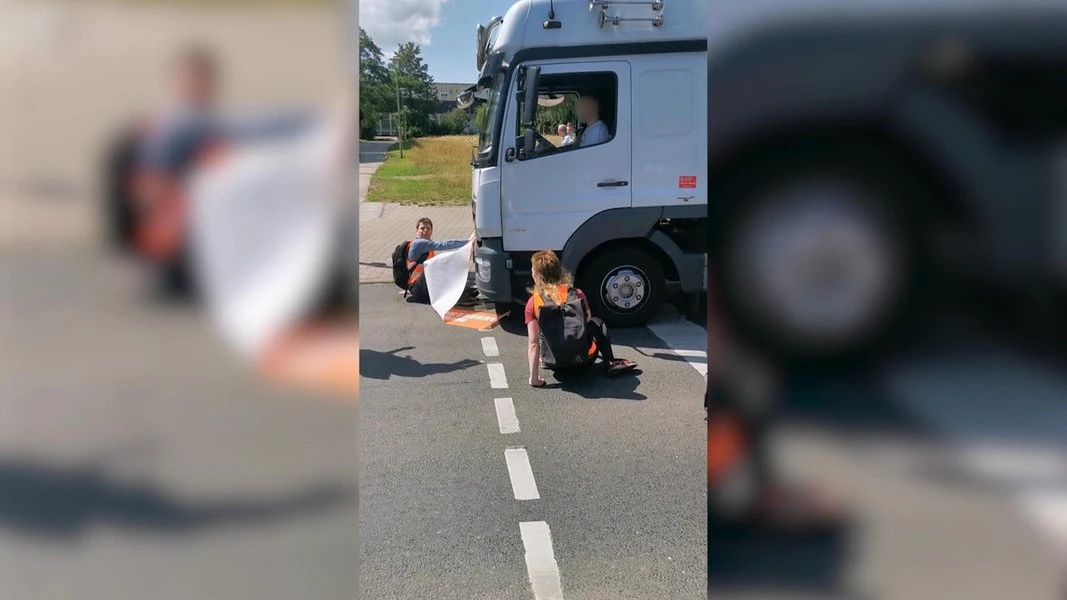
x=548, y=194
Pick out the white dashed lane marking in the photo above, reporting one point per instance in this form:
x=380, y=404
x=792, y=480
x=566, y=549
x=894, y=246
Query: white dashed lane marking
x=497, y=378
x=541, y=560
x=505, y=415
x=1006, y=417
x=522, y=478
x=489, y=347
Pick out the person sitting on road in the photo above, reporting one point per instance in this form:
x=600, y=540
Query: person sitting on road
x=562, y=331
x=596, y=132
x=423, y=248
x=172, y=144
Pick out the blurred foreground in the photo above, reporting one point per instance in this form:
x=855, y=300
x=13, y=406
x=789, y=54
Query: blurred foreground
x=888, y=191
x=138, y=457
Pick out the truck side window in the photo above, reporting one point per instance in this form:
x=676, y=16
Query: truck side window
x=569, y=100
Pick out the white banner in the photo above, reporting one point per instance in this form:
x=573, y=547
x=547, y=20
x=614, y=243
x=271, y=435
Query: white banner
x=263, y=224
x=446, y=277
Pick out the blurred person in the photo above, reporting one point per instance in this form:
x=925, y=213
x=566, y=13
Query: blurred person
x=418, y=251
x=596, y=132
x=186, y=134
x=561, y=329
x=561, y=131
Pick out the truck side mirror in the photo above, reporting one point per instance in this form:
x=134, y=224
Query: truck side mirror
x=529, y=106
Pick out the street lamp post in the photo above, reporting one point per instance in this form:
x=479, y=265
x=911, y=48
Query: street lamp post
x=399, y=129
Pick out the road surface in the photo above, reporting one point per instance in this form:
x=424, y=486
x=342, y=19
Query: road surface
x=472, y=490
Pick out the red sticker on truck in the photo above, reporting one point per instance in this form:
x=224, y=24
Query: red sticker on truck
x=687, y=181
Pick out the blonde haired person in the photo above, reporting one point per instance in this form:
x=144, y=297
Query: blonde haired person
x=562, y=331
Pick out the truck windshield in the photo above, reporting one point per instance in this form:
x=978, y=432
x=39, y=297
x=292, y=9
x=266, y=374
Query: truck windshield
x=489, y=124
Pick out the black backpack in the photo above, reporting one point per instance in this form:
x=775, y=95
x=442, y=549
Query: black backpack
x=118, y=202
x=401, y=272
x=564, y=337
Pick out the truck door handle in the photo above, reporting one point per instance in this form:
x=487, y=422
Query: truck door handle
x=605, y=184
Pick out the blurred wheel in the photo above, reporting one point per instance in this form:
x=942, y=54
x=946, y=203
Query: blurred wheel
x=817, y=263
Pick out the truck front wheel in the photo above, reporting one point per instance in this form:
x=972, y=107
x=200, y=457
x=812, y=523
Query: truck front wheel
x=818, y=263
x=625, y=286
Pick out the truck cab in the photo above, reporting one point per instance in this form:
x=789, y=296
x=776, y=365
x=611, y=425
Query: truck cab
x=627, y=215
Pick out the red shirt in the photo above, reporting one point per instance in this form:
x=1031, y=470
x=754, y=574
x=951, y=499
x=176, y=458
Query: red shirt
x=529, y=313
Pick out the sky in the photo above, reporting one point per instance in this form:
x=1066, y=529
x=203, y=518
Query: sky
x=443, y=28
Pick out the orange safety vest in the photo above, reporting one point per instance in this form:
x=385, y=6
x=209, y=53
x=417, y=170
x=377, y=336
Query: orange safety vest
x=416, y=269
x=560, y=296
x=726, y=445
x=161, y=230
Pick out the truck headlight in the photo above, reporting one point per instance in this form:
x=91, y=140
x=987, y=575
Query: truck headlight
x=482, y=267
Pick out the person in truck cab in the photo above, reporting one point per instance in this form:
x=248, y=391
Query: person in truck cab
x=563, y=334
x=596, y=132
x=423, y=248
x=568, y=136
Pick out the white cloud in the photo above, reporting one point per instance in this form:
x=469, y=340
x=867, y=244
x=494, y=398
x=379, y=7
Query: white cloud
x=393, y=22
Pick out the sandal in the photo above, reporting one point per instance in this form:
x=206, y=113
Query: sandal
x=539, y=385
x=620, y=366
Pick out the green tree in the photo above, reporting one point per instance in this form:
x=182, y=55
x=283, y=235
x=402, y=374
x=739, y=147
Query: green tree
x=453, y=122
x=376, y=97
x=548, y=118
x=481, y=116
x=417, y=94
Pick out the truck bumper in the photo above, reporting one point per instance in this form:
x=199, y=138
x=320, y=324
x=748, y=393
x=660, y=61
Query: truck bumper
x=491, y=271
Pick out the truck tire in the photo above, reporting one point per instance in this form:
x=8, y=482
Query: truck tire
x=818, y=259
x=625, y=286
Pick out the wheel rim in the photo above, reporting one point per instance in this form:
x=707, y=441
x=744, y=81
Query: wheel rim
x=818, y=261
x=625, y=289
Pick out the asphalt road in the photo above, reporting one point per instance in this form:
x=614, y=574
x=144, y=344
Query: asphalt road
x=139, y=460
x=950, y=457
x=619, y=467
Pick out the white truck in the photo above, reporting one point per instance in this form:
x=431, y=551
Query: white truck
x=627, y=216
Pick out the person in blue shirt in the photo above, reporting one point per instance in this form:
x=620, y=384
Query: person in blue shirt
x=596, y=132
x=423, y=248
x=171, y=145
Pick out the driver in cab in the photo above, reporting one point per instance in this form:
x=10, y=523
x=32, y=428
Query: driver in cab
x=588, y=112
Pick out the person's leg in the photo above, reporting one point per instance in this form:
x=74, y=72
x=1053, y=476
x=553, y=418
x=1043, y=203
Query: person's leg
x=598, y=330
x=418, y=291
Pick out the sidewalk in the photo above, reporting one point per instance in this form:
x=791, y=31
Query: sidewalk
x=384, y=225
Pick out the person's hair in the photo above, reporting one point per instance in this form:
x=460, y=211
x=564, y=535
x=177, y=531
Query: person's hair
x=424, y=221
x=561, y=126
x=549, y=270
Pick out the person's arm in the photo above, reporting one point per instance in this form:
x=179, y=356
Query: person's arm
x=533, y=336
x=270, y=127
x=533, y=355
x=585, y=303
x=442, y=245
